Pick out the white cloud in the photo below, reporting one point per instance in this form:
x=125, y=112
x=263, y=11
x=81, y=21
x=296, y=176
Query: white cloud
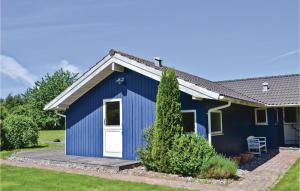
x=65, y=65
x=10, y=67
x=285, y=55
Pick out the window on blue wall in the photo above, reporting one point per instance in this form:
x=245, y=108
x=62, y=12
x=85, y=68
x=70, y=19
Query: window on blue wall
x=261, y=116
x=216, y=123
x=189, y=121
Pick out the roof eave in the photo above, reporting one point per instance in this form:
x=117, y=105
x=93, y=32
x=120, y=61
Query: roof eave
x=192, y=89
x=242, y=102
x=54, y=104
x=284, y=105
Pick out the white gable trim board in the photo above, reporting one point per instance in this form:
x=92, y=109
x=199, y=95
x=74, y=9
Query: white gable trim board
x=85, y=82
x=53, y=105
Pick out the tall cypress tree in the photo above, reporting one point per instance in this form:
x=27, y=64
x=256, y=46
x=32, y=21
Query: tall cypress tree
x=168, y=119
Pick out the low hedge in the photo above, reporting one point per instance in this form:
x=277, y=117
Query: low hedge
x=190, y=153
x=219, y=167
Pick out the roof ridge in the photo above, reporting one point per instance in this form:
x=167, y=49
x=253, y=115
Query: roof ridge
x=261, y=77
x=214, y=86
x=112, y=52
x=138, y=59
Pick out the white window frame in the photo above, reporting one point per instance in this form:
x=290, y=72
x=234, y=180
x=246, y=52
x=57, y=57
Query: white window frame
x=266, y=112
x=216, y=133
x=297, y=115
x=195, y=117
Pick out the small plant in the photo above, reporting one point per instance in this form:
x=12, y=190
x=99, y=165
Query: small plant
x=56, y=140
x=247, y=156
x=219, y=167
x=237, y=160
x=20, y=131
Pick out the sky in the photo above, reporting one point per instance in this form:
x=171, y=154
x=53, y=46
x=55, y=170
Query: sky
x=214, y=39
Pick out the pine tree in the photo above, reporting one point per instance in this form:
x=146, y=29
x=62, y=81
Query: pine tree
x=168, y=119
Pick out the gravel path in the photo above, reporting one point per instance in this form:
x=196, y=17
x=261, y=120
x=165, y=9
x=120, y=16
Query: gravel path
x=268, y=173
x=259, y=174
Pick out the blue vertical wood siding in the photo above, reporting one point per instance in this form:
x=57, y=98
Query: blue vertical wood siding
x=84, y=136
x=269, y=131
x=238, y=124
x=188, y=103
x=138, y=93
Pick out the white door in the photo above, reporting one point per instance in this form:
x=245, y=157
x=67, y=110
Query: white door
x=291, y=125
x=112, y=128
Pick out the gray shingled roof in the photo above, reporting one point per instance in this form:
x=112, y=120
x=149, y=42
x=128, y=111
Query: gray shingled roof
x=201, y=82
x=283, y=89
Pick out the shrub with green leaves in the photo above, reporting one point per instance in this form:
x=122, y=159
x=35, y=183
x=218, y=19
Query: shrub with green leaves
x=24, y=110
x=145, y=153
x=3, y=112
x=189, y=154
x=168, y=150
x=168, y=119
x=3, y=143
x=219, y=167
x=20, y=131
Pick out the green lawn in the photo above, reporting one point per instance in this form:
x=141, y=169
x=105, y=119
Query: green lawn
x=45, y=137
x=291, y=180
x=50, y=135
x=30, y=179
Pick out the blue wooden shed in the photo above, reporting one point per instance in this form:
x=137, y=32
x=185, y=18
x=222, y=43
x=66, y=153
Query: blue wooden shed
x=109, y=107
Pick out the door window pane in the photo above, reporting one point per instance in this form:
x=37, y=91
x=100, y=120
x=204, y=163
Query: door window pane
x=188, y=120
x=112, y=113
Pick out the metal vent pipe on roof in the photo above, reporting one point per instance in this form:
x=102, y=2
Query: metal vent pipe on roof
x=157, y=61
